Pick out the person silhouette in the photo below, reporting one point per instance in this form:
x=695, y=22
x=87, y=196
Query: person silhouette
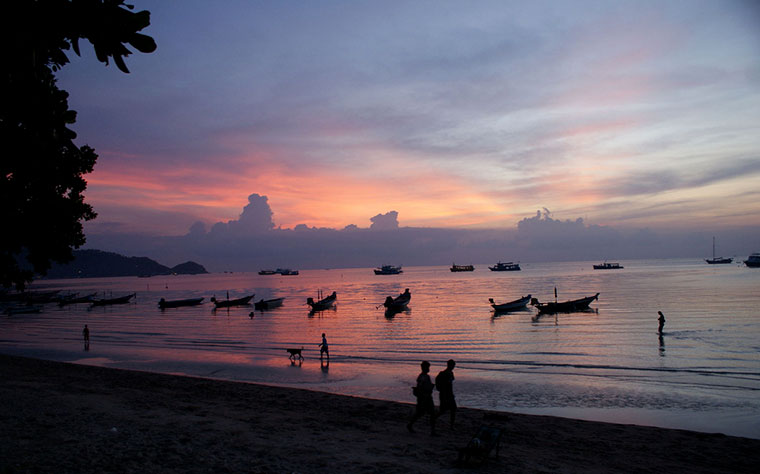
x=86, y=334
x=444, y=383
x=424, y=393
x=661, y=320
x=323, y=348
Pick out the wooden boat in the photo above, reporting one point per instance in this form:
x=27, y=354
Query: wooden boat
x=263, y=305
x=109, y=301
x=505, y=267
x=608, y=266
x=75, y=299
x=718, y=260
x=398, y=303
x=564, y=306
x=228, y=302
x=753, y=260
x=323, y=303
x=462, y=268
x=163, y=304
x=388, y=270
x=519, y=303
x=267, y=272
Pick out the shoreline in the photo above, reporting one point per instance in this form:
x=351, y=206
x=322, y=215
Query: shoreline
x=62, y=417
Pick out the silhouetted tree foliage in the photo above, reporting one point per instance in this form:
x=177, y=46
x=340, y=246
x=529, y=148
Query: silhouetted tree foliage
x=42, y=181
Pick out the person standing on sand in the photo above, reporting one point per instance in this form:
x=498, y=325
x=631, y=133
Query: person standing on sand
x=86, y=334
x=424, y=393
x=444, y=383
x=661, y=320
x=323, y=348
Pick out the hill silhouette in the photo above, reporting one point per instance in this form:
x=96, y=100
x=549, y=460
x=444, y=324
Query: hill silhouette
x=97, y=263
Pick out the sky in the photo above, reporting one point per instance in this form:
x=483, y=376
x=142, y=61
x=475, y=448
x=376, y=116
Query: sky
x=640, y=116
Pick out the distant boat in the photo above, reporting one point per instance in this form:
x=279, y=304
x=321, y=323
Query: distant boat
x=519, y=303
x=163, y=304
x=505, y=267
x=323, y=303
x=286, y=271
x=267, y=272
x=388, y=270
x=245, y=300
x=608, y=266
x=109, y=301
x=753, y=260
x=564, y=306
x=76, y=299
x=718, y=260
x=263, y=305
x=399, y=303
x=461, y=268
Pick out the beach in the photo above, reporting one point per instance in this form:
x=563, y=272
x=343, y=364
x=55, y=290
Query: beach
x=60, y=417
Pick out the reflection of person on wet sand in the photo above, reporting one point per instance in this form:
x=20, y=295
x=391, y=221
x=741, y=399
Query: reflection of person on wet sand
x=661, y=320
x=323, y=348
x=424, y=393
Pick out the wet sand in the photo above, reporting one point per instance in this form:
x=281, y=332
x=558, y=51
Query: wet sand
x=58, y=417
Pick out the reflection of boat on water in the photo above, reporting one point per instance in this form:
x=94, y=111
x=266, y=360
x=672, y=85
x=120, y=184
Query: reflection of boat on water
x=388, y=270
x=461, y=268
x=399, y=303
x=519, y=303
x=718, y=260
x=109, y=301
x=323, y=303
x=608, y=266
x=505, y=267
x=163, y=304
x=753, y=260
x=263, y=305
x=245, y=300
x=564, y=306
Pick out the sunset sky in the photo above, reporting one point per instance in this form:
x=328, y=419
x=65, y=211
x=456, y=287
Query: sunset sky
x=454, y=114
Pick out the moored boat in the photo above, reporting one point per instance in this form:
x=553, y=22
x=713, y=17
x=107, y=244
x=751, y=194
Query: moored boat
x=263, y=305
x=398, y=303
x=505, y=267
x=286, y=271
x=718, y=260
x=109, y=301
x=564, y=306
x=608, y=266
x=388, y=270
x=323, y=303
x=753, y=260
x=163, y=304
x=76, y=299
x=267, y=272
x=461, y=268
x=245, y=300
x=519, y=303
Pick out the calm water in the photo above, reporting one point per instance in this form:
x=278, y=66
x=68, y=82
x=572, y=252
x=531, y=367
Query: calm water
x=607, y=364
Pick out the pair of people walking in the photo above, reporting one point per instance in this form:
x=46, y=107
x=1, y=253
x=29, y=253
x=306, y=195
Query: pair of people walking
x=444, y=382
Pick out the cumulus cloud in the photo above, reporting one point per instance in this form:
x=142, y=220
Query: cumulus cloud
x=255, y=218
x=387, y=221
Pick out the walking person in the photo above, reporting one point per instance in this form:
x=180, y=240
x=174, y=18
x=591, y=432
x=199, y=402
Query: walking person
x=424, y=393
x=323, y=348
x=444, y=383
x=661, y=320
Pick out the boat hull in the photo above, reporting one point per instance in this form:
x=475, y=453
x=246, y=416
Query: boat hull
x=510, y=306
x=263, y=305
x=246, y=300
x=163, y=304
x=565, y=306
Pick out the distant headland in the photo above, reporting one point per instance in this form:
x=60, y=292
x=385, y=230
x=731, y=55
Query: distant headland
x=97, y=263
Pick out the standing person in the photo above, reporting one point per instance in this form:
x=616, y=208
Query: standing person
x=323, y=348
x=424, y=393
x=444, y=383
x=661, y=320
x=86, y=334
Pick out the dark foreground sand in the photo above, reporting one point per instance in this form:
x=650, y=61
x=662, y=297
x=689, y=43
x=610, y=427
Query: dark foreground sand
x=57, y=417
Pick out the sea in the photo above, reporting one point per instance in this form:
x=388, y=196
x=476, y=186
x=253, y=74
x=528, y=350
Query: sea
x=605, y=364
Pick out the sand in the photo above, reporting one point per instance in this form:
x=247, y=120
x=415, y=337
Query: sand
x=57, y=417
